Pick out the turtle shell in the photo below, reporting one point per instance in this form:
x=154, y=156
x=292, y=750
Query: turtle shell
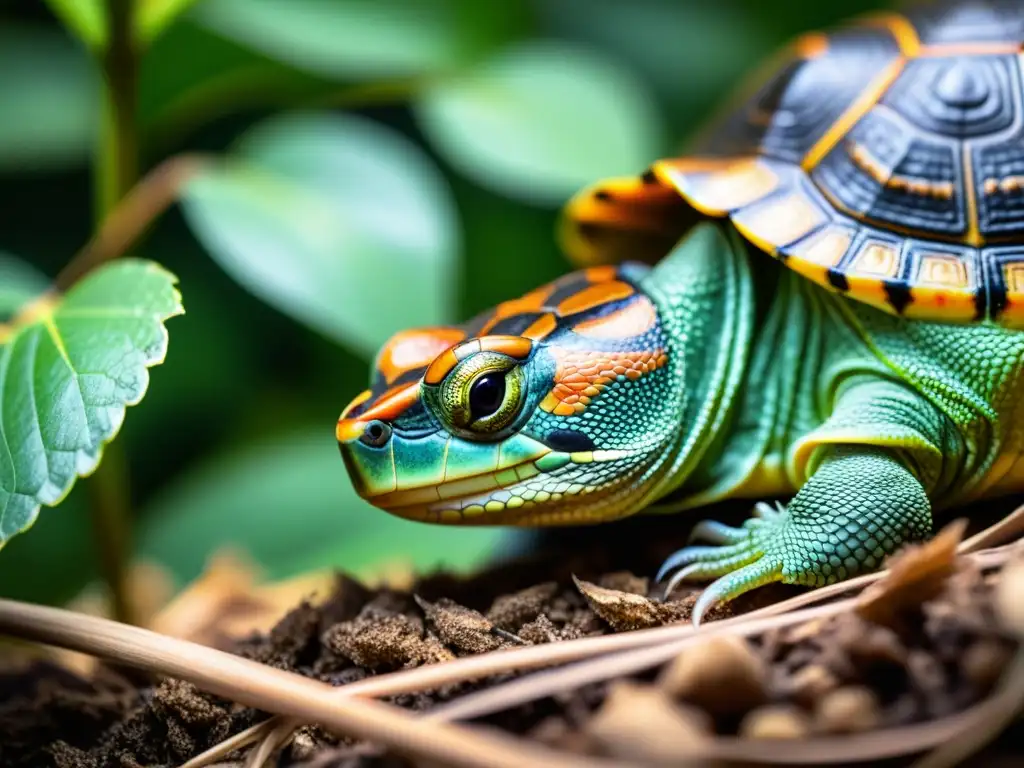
x=883, y=159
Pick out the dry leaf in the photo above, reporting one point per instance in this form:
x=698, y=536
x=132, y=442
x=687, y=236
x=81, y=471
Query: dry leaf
x=626, y=611
x=459, y=627
x=917, y=573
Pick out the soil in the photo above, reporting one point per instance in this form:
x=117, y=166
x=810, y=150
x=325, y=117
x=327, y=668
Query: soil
x=908, y=658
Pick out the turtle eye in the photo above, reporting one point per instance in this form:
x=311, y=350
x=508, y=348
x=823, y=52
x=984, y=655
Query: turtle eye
x=483, y=394
x=486, y=394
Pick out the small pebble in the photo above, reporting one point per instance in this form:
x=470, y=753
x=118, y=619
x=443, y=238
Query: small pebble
x=775, y=721
x=809, y=684
x=641, y=723
x=723, y=676
x=983, y=663
x=848, y=710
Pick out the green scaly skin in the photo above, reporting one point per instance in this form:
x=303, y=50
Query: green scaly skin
x=779, y=387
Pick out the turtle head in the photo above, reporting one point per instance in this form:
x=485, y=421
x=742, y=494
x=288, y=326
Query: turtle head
x=548, y=409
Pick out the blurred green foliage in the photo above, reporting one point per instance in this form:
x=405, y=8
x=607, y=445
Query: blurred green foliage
x=378, y=164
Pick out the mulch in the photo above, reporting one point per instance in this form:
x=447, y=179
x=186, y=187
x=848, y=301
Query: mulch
x=912, y=658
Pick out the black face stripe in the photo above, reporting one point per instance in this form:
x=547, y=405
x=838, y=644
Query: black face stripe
x=515, y=325
x=569, y=441
x=573, y=283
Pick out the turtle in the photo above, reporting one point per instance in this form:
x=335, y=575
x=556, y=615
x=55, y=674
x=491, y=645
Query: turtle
x=817, y=306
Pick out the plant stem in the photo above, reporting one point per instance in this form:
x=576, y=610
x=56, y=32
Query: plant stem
x=116, y=170
x=117, y=167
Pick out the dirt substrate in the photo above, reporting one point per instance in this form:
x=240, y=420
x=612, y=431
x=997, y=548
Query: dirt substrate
x=895, y=662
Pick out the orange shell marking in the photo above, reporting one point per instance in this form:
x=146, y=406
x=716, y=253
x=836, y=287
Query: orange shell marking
x=634, y=319
x=580, y=376
x=412, y=349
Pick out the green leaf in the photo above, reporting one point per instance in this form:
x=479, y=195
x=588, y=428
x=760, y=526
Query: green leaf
x=86, y=18
x=541, y=120
x=337, y=221
x=48, y=100
x=350, y=39
x=289, y=504
x=19, y=282
x=153, y=16
x=67, y=376
x=691, y=53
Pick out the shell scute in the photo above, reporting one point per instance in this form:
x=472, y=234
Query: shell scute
x=883, y=160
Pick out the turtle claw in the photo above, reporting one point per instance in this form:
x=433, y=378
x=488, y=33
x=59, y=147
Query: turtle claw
x=746, y=557
x=724, y=589
x=695, y=555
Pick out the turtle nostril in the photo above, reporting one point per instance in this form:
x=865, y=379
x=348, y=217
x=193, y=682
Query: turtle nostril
x=376, y=434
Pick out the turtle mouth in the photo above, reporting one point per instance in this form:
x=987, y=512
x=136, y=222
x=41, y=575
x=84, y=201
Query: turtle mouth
x=456, y=490
x=499, y=497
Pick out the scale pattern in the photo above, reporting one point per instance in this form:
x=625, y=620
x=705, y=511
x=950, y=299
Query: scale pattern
x=883, y=160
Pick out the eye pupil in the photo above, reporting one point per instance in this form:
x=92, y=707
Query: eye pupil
x=487, y=394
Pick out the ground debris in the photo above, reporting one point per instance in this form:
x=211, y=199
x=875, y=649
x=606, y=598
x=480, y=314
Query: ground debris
x=642, y=723
x=626, y=611
x=385, y=641
x=916, y=574
x=461, y=628
x=932, y=639
x=723, y=676
x=511, y=612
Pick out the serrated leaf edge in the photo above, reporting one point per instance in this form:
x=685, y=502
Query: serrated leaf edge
x=45, y=316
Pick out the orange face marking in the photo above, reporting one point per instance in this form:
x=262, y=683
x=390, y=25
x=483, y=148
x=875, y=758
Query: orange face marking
x=392, y=403
x=541, y=327
x=581, y=376
x=600, y=274
x=388, y=407
x=414, y=349
x=513, y=346
x=634, y=319
x=531, y=302
x=594, y=296
x=438, y=369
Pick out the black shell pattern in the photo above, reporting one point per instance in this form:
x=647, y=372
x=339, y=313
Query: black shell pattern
x=883, y=159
